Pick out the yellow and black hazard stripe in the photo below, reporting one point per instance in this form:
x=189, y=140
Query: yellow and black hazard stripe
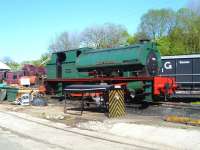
x=116, y=103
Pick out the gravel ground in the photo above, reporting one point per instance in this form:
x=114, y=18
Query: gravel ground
x=50, y=135
x=55, y=112
x=10, y=141
x=151, y=129
x=174, y=137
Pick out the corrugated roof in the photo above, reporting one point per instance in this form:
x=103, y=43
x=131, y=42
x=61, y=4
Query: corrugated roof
x=4, y=66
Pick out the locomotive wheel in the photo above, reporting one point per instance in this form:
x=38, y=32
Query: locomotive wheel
x=137, y=99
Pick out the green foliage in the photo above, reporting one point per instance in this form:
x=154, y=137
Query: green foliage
x=14, y=66
x=177, y=42
x=11, y=63
x=131, y=40
x=136, y=38
x=175, y=32
x=39, y=62
x=157, y=23
x=164, y=45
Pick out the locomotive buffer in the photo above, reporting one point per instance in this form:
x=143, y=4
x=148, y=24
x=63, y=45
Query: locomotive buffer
x=114, y=95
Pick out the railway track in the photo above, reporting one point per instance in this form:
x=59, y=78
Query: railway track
x=109, y=139
x=178, y=105
x=168, y=108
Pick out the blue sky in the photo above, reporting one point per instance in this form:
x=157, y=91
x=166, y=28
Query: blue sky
x=27, y=27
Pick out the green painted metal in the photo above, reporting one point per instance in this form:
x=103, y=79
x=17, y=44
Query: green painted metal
x=51, y=67
x=90, y=58
x=52, y=61
x=78, y=62
x=135, y=85
x=131, y=55
x=127, y=74
x=59, y=89
x=69, y=69
x=51, y=71
x=11, y=93
x=148, y=90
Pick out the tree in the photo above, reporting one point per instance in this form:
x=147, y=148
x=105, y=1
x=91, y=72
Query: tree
x=164, y=45
x=39, y=62
x=137, y=37
x=187, y=26
x=11, y=63
x=104, y=36
x=65, y=41
x=157, y=23
x=131, y=40
x=42, y=60
x=175, y=32
x=194, y=5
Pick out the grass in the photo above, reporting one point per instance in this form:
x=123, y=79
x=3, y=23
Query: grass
x=196, y=103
